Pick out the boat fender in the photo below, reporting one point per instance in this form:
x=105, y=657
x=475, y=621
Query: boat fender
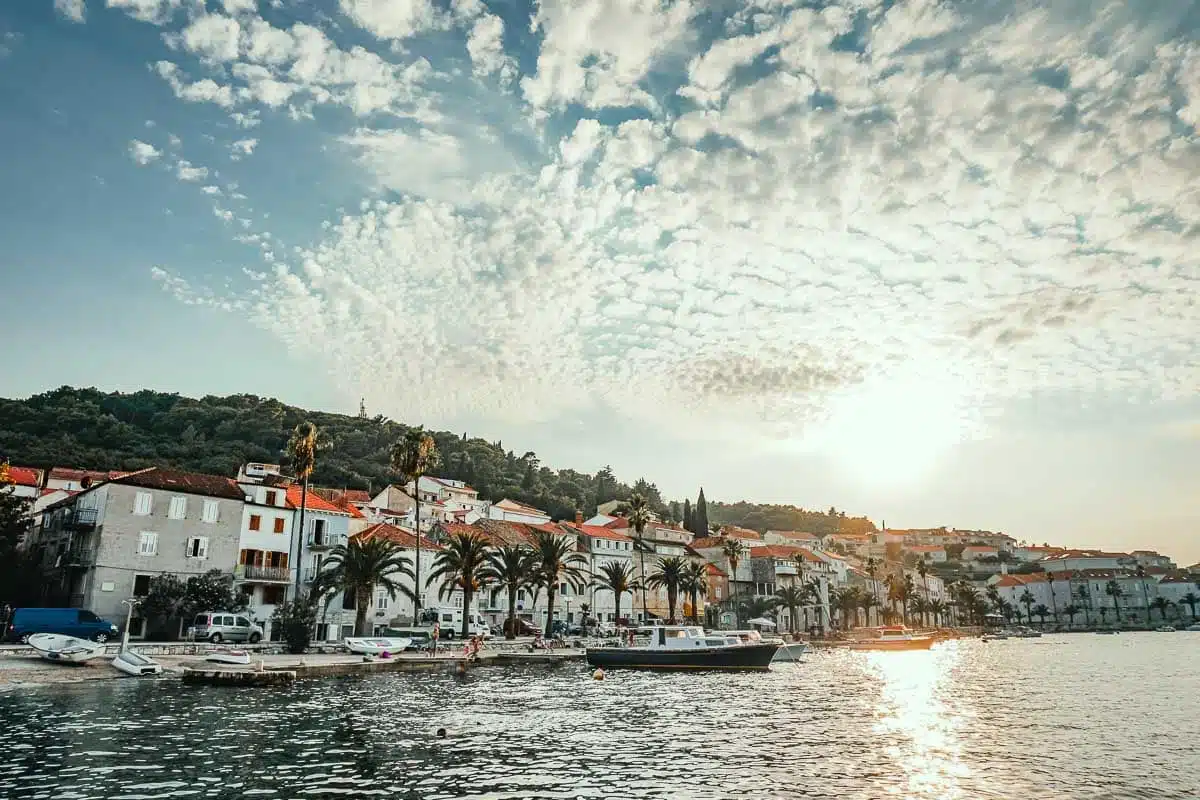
x=385, y=654
x=598, y=674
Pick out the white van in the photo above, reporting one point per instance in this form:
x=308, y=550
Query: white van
x=450, y=622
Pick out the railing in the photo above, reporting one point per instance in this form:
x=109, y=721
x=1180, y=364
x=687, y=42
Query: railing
x=250, y=572
x=81, y=557
x=325, y=540
x=80, y=519
x=310, y=573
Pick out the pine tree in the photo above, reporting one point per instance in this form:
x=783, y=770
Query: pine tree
x=687, y=515
x=700, y=516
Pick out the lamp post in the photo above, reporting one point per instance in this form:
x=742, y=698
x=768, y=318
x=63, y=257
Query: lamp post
x=131, y=602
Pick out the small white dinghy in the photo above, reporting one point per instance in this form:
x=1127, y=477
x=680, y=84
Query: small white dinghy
x=239, y=657
x=132, y=663
x=65, y=649
x=377, y=646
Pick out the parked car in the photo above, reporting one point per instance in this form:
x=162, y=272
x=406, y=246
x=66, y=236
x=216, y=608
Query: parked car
x=523, y=628
x=224, y=626
x=78, y=622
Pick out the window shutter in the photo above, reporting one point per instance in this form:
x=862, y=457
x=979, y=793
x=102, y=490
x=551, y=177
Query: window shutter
x=143, y=503
x=211, y=511
x=178, y=508
x=202, y=547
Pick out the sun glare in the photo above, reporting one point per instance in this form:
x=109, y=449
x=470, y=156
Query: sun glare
x=892, y=431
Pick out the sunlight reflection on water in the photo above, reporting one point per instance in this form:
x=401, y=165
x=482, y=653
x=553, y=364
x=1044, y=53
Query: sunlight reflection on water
x=1017, y=719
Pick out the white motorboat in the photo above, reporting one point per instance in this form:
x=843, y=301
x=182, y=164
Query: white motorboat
x=132, y=663
x=687, y=647
x=1022, y=632
x=376, y=646
x=65, y=649
x=1193, y=627
x=238, y=657
x=790, y=651
x=1165, y=629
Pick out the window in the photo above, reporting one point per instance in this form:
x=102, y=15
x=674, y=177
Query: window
x=242, y=622
x=272, y=595
x=318, y=528
x=279, y=524
x=147, y=543
x=381, y=602
x=348, y=601
x=178, y=508
x=87, y=616
x=563, y=589
x=255, y=522
x=271, y=495
x=141, y=585
x=197, y=547
x=211, y=511
x=143, y=503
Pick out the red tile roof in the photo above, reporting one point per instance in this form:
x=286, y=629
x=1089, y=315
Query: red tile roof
x=787, y=551
x=596, y=531
x=396, y=535
x=618, y=523
x=707, y=542
x=70, y=474
x=926, y=548
x=741, y=533
x=714, y=570
x=25, y=476
x=798, y=536
x=171, y=480
x=315, y=501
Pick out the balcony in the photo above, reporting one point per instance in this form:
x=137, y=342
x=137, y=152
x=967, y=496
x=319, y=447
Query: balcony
x=310, y=573
x=249, y=572
x=80, y=519
x=81, y=557
x=324, y=541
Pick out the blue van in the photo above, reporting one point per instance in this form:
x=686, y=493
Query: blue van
x=67, y=621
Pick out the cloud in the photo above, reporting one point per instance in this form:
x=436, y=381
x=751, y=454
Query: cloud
x=156, y=12
x=242, y=147
x=143, y=153
x=73, y=10
x=733, y=219
x=185, y=171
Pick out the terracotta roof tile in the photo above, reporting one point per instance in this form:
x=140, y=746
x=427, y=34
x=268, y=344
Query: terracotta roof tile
x=787, y=551
x=396, y=535
x=315, y=501
x=596, y=531
x=24, y=476
x=170, y=480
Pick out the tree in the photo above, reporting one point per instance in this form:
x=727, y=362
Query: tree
x=1162, y=604
x=669, y=575
x=1190, y=600
x=212, y=591
x=923, y=571
x=954, y=551
x=919, y=607
x=462, y=565
x=555, y=561
x=1027, y=599
x=937, y=608
x=618, y=578
x=1114, y=590
x=302, y=453
x=1071, y=610
x=295, y=619
x=757, y=607
x=867, y=601
x=733, y=550
x=1141, y=575
x=360, y=566
x=687, y=516
x=163, y=604
x=510, y=566
x=413, y=456
x=693, y=583
x=21, y=574
x=1085, y=599
x=639, y=518
x=1042, y=611
x=700, y=515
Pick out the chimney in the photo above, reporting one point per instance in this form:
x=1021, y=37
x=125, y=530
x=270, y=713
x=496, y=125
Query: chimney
x=578, y=517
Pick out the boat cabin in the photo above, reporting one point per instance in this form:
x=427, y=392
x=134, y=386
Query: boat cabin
x=671, y=637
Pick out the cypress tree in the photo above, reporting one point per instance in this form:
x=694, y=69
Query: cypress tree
x=700, y=515
x=687, y=515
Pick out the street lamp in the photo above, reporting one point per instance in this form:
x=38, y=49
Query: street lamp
x=131, y=602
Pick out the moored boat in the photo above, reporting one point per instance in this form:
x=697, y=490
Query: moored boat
x=1165, y=629
x=238, y=657
x=893, y=637
x=132, y=663
x=790, y=651
x=686, y=647
x=375, y=646
x=65, y=649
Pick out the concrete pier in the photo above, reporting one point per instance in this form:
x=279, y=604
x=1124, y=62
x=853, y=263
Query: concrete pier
x=239, y=677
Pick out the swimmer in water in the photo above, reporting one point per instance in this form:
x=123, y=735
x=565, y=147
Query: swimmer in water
x=441, y=733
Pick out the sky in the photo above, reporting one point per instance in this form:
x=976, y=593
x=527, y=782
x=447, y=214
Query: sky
x=931, y=262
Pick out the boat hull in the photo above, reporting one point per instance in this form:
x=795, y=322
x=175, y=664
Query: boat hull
x=65, y=649
x=236, y=657
x=917, y=643
x=791, y=652
x=376, y=646
x=136, y=664
x=740, y=657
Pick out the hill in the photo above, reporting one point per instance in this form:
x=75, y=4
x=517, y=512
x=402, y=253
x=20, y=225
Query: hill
x=92, y=429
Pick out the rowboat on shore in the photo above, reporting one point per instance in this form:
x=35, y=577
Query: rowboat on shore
x=132, y=663
x=377, y=646
x=686, y=647
x=238, y=657
x=65, y=649
x=893, y=637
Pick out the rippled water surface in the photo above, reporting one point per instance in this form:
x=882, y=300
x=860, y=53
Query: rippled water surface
x=1078, y=716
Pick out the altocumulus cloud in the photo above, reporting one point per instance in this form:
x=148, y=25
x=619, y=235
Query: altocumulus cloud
x=733, y=212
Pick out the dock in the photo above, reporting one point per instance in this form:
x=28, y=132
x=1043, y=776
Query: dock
x=540, y=657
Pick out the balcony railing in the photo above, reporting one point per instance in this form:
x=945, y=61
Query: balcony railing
x=324, y=541
x=81, y=557
x=249, y=572
x=80, y=519
x=310, y=573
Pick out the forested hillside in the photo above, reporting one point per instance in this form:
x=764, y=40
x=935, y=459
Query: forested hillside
x=91, y=429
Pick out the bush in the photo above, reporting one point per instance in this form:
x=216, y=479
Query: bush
x=295, y=620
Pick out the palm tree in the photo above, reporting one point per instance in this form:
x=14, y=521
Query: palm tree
x=1113, y=590
x=872, y=570
x=462, y=565
x=923, y=571
x=1140, y=572
x=360, y=566
x=1026, y=600
x=669, y=575
x=1071, y=610
x=639, y=518
x=867, y=601
x=302, y=452
x=511, y=566
x=414, y=455
x=693, y=583
x=1041, y=611
x=733, y=550
x=791, y=597
x=845, y=599
x=555, y=561
x=1190, y=600
x=1085, y=602
x=919, y=607
x=937, y=608
x=618, y=578
x=1162, y=604
x=757, y=607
